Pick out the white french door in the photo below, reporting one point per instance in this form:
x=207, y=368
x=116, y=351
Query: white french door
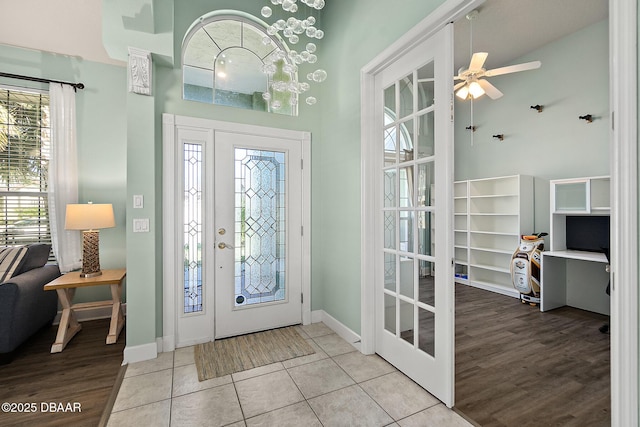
x=258, y=238
x=414, y=294
x=236, y=206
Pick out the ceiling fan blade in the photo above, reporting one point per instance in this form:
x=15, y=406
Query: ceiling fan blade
x=459, y=85
x=477, y=60
x=491, y=91
x=513, y=68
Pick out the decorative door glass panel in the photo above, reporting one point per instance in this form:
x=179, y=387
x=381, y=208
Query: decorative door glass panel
x=260, y=227
x=192, y=231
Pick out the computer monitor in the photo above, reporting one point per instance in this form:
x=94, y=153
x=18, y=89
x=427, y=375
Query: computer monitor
x=588, y=233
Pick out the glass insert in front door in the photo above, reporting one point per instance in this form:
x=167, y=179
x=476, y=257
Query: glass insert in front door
x=259, y=226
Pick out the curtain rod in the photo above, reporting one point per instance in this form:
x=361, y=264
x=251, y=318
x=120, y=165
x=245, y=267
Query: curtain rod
x=37, y=79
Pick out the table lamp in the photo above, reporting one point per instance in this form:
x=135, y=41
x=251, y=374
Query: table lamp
x=89, y=218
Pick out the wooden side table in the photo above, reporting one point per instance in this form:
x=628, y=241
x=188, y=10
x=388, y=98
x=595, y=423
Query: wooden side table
x=66, y=286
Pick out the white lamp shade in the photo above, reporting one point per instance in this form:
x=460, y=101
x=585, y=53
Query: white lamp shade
x=89, y=216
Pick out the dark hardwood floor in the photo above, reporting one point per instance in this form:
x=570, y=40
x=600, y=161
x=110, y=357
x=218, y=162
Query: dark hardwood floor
x=516, y=366
x=84, y=373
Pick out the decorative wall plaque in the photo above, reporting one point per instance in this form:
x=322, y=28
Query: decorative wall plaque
x=140, y=71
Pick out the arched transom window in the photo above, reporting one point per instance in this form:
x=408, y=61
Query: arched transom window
x=224, y=59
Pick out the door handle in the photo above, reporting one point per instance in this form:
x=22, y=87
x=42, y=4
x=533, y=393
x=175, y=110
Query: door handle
x=223, y=245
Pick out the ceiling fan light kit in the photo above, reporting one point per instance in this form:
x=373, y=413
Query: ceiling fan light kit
x=474, y=84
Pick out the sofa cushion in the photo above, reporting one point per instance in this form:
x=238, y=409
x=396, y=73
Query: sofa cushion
x=10, y=260
x=37, y=255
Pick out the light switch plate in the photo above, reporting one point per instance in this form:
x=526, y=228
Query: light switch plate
x=138, y=201
x=141, y=225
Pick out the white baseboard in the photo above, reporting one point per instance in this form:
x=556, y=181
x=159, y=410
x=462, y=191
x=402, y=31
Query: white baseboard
x=139, y=353
x=510, y=292
x=337, y=327
x=168, y=343
x=91, y=314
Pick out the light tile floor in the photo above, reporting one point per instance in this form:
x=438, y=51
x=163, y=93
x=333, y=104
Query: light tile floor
x=336, y=386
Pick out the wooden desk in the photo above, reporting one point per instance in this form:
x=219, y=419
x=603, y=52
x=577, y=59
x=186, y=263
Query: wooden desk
x=66, y=286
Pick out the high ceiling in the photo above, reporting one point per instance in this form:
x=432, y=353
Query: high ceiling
x=508, y=29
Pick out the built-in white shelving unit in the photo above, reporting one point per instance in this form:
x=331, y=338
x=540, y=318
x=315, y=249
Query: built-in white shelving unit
x=490, y=216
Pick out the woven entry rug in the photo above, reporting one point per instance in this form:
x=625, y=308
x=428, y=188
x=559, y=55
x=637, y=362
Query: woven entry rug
x=230, y=355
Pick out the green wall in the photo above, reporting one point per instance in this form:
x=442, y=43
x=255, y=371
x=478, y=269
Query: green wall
x=572, y=81
x=101, y=137
x=356, y=31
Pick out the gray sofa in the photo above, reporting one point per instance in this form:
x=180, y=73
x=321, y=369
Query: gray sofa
x=25, y=307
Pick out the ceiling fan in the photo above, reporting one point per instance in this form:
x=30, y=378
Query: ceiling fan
x=474, y=85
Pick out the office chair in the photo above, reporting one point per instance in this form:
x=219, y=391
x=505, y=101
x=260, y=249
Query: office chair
x=605, y=328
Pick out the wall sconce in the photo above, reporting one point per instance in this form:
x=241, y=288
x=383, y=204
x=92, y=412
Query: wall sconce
x=587, y=117
x=499, y=136
x=471, y=128
x=90, y=218
x=538, y=108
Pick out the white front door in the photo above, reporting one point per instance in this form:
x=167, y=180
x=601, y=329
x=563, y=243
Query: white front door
x=258, y=232
x=414, y=297
x=236, y=200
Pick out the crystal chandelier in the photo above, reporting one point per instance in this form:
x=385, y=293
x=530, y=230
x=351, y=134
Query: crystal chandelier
x=280, y=62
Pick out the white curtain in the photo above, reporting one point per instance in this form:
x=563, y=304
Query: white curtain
x=63, y=175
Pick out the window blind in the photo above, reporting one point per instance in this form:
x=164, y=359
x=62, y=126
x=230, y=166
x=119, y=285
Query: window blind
x=24, y=159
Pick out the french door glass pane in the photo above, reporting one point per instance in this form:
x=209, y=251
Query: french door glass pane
x=425, y=233
x=406, y=277
x=406, y=321
x=390, y=101
x=260, y=226
x=425, y=86
x=406, y=186
x=406, y=231
x=427, y=284
x=426, y=184
x=390, y=313
x=390, y=272
x=426, y=328
x=426, y=135
x=390, y=145
x=406, y=141
x=390, y=188
x=406, y=96
x=390, y=230
x=192, y=228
